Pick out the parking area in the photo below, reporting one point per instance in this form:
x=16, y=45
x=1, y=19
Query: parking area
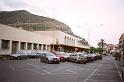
x=32, y=70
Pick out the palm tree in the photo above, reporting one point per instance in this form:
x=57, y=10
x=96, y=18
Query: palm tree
x=101, y=44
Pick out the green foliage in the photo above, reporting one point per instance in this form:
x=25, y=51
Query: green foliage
x=95, y=50
x=39, y=27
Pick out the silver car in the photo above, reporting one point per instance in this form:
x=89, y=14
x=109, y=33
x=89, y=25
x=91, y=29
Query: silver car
x=19, y=55
x=78, y=58
x=49, y=57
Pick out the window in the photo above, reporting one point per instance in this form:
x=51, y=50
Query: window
x=29, y=46
x=5, y=44
x=23, y=45
x=44, y=47
x=40, y=46
x=35, y=46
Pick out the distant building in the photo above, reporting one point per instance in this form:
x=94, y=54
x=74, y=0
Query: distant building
x=14, y=39
x=110, y=48
x=121, y=44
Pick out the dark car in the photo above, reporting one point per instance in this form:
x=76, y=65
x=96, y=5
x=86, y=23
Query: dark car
x=98, y=56
x=49, y=57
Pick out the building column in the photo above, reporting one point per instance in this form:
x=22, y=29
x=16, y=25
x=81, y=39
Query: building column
x=0, y=43
x=26, y=45
x=45, y=47
x=19, y=44
x=67, y=40
x=49, y=48
x=37, y=46
x=41, y=46
x=32, y=46
x=10, y=46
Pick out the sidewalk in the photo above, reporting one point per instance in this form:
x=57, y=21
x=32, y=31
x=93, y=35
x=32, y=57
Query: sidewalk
x=107, y=72
x=120, y=64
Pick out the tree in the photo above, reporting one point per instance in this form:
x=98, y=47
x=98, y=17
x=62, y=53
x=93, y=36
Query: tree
x=101, y=44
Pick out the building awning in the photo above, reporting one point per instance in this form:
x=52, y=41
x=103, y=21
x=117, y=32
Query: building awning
x=82, y=47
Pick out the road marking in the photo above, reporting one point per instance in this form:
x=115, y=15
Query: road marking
x=103, y=80
x=38, y=67
x=92, y=73
x=33, y=65
x=46, y=72
x=118, y=70
x=33, y=71
x=12, y=68
x=70, y=71
x=59, y=69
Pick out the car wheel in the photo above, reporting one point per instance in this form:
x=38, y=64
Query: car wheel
x=18, y=58
x=58, y=62
x=76, y=61
x=27, y=57
x=85, y=62
x=47, y=61
x=41, y=60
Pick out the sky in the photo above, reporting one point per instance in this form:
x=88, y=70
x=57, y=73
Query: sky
x=91, y=19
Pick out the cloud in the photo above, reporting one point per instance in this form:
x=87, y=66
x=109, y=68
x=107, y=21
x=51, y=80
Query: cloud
x=12, y=4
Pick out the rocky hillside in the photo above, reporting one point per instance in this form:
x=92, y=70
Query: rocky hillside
x=31, y=22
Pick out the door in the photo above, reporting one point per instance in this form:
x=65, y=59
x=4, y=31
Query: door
x=14, y=47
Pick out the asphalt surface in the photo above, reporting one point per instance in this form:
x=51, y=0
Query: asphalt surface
x=32, y=70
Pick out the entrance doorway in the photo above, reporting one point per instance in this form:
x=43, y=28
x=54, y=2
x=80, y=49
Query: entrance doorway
x=14, y=46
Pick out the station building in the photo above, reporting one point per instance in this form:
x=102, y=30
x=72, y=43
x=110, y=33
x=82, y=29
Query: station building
x=14, y=39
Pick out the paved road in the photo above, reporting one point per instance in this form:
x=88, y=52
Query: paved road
x=32, y=70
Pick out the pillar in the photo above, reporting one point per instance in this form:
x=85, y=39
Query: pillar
x=46, y=47
x=32, y=46
x=26, y=45
x=19, y=44
x=10, y=46
x=41, y=46
x=37, y=46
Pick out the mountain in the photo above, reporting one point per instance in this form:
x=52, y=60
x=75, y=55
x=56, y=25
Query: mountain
x=32, y=22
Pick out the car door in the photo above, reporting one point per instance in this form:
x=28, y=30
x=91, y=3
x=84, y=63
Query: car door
x=43, y=57
x=74, y=57
x=70, y=58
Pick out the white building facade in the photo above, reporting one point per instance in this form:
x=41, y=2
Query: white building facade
x=14, y=39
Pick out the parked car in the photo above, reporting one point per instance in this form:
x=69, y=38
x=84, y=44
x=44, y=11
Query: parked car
x=90, y=57
x=32, y=54
x=49, y=57
x=66, y=56
x=98, y=56
x=93, y=55
x=77, y=58
x=35, y=53
x=60, y=55
x=19, y=55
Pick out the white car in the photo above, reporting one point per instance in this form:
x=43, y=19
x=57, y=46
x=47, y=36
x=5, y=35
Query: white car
x=19, y=55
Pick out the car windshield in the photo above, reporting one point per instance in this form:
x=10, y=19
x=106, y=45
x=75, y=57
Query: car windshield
x=50, y=54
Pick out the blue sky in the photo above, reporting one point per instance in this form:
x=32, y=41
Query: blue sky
x=83, y=16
